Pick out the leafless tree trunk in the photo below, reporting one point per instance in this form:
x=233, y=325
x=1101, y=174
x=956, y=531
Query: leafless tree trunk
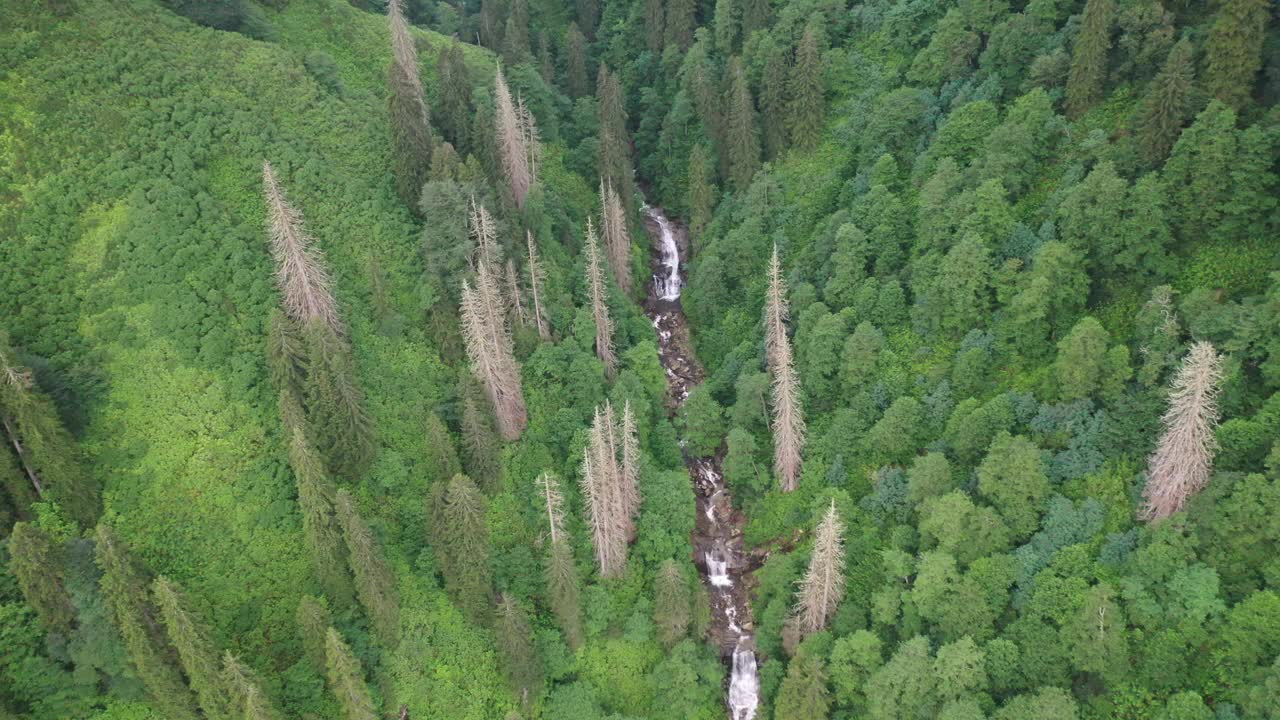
x=617, y=241
x=300, y=274
x=488, y=342
x=536, y=277
x=1183, y=458
x=517, y=139
x=788, y=417
x=599, y=308
x=609, y=471
x=484, y=230
x=822, y=587
x=514, y=295
x=549, y=488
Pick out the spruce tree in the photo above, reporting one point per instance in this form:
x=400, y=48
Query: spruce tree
x=248, y=701
x=615, y=155
x=410, y=125
x=124, y=588
x=653, y=25
x=741, y=135
x=1167, y=104
x=788, y=417
x=313, y=619
x=1089, y=57
x=588, y=15
x=454, y=81
x=560, y=572
x=671, y=603
x=286, y=359
x=321, y=532
x=442, y=457
x=462, y=547
x=726, y=25
x=341, y=429
x=1182, y=462
x=701, y=186
x=516, y=140
x=774, y=107
x=599, y=304
x=1233, y=53
x=481, y=447
x=803, y=694
x=42, y=447
x=195, y=649
x=680, y=23
x=516, y=649
x=806, y=88
x=577, y=78
x=515, y=37
x=756, y=15
x=37, y=564
x=822, y=587
x=346, y=679
x=375, y=582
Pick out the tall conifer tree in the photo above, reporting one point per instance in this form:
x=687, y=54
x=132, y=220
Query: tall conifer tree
x=560, y=572
x=320, y=529
x=195, y=648
x=313, y=619
x=248, y=701
x=346, y=680
x=806, y=88
x=680, y=23
x=741, y=134
x=822, y=587
x=617, y=240
x=774, y=108
x=701, y=179
x=1089, y=57
x=1183, y=459
x=124, y=589
x=537, y=276
x=37, y=564
x=454, y=79
x=671, y=603
x=410, y=124
x=1234, y=50
x=519, y=655
x=599, y=304
x=375, y=582
x=1167, y=104
x=462, y=546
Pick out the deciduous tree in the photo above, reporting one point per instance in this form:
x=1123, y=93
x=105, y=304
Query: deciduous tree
x=490, y=351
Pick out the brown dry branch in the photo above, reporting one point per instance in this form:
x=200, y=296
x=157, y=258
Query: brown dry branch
x=788, y=416
x=304, y=283
x=599, y=308
x=1183, y=459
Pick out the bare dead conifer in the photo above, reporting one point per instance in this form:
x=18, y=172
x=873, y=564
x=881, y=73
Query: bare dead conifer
x=530, y=136
x=599, y=308
x=536, y=277
x=513, y=125
x=489, y=348
x=1183, y=458
x=630, y=468
x=514, y=295
x=549, y=488
x=602, y=487
x=822, y=587
x=402, y=46
x=788, y=417
x=300, y=274
x=617, y=241
x=484, y=230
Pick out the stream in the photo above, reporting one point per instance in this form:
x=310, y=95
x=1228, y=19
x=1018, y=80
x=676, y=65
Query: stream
x=719, y=552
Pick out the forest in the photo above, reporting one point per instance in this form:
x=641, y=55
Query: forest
x=613, y=359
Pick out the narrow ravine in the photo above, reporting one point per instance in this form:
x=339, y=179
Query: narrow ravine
x=720, y=555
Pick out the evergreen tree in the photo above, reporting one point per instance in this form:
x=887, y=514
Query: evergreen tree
x=462, y=547
x=519, y=656
x=653, y=25
x=822, y=588
x=37, y=564
x=588, y=15
x=1182, y=462
x=346, y=679
x=774, y=106
x=599, y=305
x=680, y=23
x=375, y=582
x=410, y=126
x=1167, y=105
x=963, y=285
x=803, y=694
x=560, y=573
x=615, y=159
x=287, y=361
x=320, y=530
x=481, y=447
x=575, y=50
x=701, y=184
x=443, y=458
x=756, y=15
x=1233, y=53
x=195, y=649
x=671, y=603
x=726, y=26
x=46, y=452
x=248, y=702
x=454, y=81
x=336, y=418
x=314, y=619
x=1089, y=57
x=806, y=88
x=1096, y=635
x=515, y=37
x=788, y=417
x=741, y=135
x=156, y=663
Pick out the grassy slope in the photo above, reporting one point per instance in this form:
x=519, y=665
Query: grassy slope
x=129, y=192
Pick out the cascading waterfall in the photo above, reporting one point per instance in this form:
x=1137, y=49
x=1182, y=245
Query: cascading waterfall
x=717, y=534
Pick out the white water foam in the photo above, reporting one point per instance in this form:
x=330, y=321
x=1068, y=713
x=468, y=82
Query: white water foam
x=744, y=687
x=667, y=288
x=718, y=572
